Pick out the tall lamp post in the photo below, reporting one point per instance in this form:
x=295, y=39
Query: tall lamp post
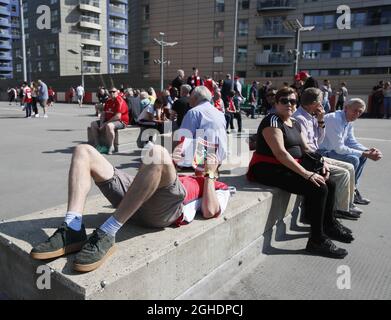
x=162, y=62
x=81, y=61
x=235, y=43
x=297, y=27
x=23, y=38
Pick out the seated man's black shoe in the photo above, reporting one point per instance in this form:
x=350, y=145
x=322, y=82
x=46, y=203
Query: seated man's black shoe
x=325, y=248
x=62, y=242
x=354, y=209
x=340, y=225
x=98, y=248
x=337, y=233
x=358, y=199
x=346, y=215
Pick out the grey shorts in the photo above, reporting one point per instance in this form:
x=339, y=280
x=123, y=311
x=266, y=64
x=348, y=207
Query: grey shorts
x=118, y=125
x=162, y=210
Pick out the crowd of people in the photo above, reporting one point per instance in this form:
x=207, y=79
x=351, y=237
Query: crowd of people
x=30, y=96
x=301, y=147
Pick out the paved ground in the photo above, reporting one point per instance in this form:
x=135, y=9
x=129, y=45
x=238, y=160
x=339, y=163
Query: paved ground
x=35, y=155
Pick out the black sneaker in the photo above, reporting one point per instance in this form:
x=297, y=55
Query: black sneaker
x=358, y=199
x=62, y=242
x=98, y=248
x=340, y=225
x=346, y=215
x=325, y=248
x=337, y=233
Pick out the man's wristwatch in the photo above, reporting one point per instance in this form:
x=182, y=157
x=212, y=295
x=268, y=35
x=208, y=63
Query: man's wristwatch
x=210, y=175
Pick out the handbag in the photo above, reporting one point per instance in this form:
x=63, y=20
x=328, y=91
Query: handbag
x=313, y=162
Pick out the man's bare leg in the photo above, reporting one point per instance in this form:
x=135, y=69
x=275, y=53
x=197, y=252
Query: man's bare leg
x=150, y=178
x=86, y=163
x=95, y=133
x=110, y=136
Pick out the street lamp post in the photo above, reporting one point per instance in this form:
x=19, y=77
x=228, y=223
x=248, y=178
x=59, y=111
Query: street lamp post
x=235, y=43
x=162, y=62
x=297, y=27
x=23, y=38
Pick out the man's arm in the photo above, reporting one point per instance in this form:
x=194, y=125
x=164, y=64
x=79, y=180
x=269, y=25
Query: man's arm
x=352, y=142
x=210, y=204
x=337, y=142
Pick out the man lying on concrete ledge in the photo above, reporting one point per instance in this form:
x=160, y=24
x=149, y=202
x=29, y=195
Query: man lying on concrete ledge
x=156, y=197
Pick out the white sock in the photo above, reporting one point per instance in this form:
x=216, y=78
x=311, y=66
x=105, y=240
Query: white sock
x=111, y=226
x=74, y=220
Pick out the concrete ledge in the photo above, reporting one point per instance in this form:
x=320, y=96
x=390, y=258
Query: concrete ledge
x=149, y=263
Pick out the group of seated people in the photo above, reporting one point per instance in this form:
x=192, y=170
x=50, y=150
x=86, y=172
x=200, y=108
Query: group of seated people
x=287, y=143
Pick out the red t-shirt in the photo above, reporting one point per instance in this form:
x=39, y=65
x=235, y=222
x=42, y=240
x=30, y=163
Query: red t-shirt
x=119, y=105
x=27, y=95
x=194, y=191
x=209, y=84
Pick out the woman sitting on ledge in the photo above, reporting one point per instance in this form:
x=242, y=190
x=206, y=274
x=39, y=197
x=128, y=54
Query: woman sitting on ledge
x=276, y=162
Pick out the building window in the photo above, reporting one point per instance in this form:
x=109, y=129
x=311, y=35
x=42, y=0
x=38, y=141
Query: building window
x=242, y=54
x=220, y=6
x=146, y=58
x=218, y=56
x=52, y=66
x=146, y=35
x=146, y=12
x=244, y=4
x=39, y=66
x=219, y=30
x=241, y=74
x=243, y=28
x=19, y=67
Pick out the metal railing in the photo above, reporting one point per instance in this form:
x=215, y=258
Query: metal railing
x=91, y=53
x=276, y=4
x=273, y=58
x=92, y=3
x=91, y=69
x=316, y=55
x=118, y=41
x=90, y=36
x=263, y=31
x=89, y=19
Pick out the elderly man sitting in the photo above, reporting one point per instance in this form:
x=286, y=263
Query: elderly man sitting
x=205, y=122
x=114, y=117
x=310, y=116
x=341, y=144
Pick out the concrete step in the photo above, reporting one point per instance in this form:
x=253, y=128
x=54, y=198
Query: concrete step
x=148, y=263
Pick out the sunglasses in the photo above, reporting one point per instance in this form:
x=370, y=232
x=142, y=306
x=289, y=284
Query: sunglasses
x=286, y=101
x=112, y=91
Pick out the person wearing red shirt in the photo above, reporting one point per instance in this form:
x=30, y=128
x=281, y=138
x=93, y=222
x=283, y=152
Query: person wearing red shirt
x=27, y=99
x=114, y=117
x=210, y=84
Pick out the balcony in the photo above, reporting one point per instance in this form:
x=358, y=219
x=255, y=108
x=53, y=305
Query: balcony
x=4, y=11
x=91, y=69
x=273, y=58
x=273, y=33
x=118, y=26
x=274, y=5
x=5, y=34
x=90, y=23
x=5, y=22
x=5, y=55
x=90, y=6
x=5, y=45
x=118, y=11
x=6, y=67
x=119, y=57
x=345, y=54
x=117, y=41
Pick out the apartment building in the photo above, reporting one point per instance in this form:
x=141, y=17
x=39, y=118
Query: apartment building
x=204, y=30
x=83, y=35
x=5, y=40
